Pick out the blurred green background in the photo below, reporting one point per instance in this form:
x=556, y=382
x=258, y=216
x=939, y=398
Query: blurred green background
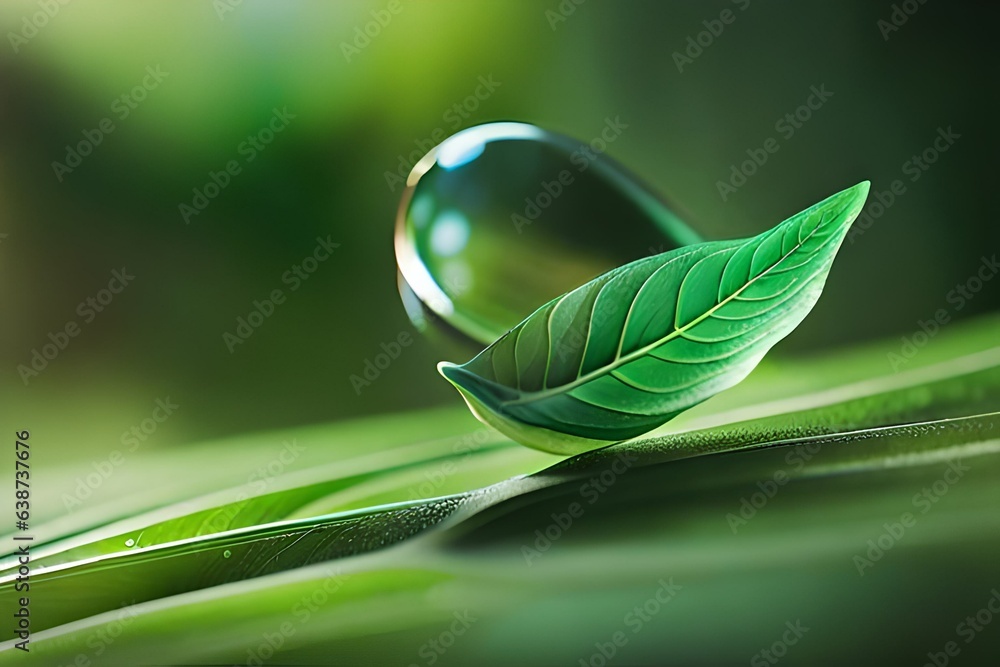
x=357, y=115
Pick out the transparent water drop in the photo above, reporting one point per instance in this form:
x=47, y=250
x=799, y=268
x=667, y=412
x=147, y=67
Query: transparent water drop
x=227, y=553
x=500, y=218
x=130, y=542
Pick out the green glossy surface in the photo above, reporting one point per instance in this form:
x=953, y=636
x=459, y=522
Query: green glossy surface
x=500, y=191
x=397, y=560
x=626, y=352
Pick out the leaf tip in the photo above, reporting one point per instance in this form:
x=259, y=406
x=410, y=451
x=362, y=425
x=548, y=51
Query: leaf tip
x=850, y=202
x=447, y=370
x=859, y=193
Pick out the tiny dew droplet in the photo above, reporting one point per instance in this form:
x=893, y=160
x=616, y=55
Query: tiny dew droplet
x=227, y=553
x=130, y=542
x=500, y=218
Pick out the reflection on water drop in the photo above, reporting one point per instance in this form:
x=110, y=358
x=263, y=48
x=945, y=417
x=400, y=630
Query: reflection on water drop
x=502, y=217
x=130, y=542
x=227, y=553
x=449, y=234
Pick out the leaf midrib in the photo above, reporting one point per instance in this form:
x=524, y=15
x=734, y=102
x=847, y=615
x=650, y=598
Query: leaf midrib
x=619, y=360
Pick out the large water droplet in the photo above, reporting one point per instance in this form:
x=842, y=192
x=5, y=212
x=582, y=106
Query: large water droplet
x=502, y=217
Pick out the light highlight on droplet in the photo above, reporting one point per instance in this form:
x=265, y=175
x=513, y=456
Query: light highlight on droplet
x=502, y=217
x=450, y=234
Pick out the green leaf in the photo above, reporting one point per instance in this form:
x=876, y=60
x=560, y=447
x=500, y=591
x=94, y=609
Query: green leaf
x=626, y=352
x=679, y=519
x=849, y=401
